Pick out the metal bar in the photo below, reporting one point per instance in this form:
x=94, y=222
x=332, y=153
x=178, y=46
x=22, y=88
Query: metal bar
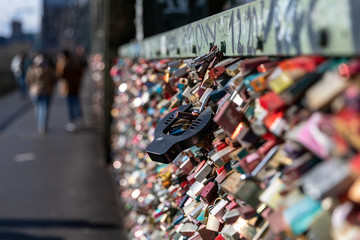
x=264, y=27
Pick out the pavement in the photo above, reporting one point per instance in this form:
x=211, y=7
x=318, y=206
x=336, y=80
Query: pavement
x=56, y=186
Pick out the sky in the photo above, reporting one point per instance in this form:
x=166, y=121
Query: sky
x=29, y=12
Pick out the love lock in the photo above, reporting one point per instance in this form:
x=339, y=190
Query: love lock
x=166, y=145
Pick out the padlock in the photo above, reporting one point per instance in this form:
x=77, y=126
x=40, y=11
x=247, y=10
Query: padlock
x=248, y=191
x=202, y=70
x=206, y=233
x=219, y=134
x=231, y=216
x=321, y=182
x=250, y=65
x=164, y=218
x=280, y=80
x=234, y=83
x=249, y=163
x=307, y=63
x=181, y=72
x=232, y=143
x=220, y=237
x=213, y=223
x=199, y=166
x=300, y=215
x=221, y=176
x=243, y=186
x=228, y=166
x=173, y=188
x=233, y=204
x=187, y=166
x=206, y=63
x=341, y=224
x=233, y=68
x=166, y=147
x=190, y=207
x=259, y=84
x=277, y=222
x=334, y=84
x=300, y=166
x=297, y=90
x=219, y=209
x=196, y=236
x=216, y=95
x=221, y=157
x=246, y=137
x=188, y=229
x=183, y=201
x=267, y=66
x=248, y=109
x=272, y=102
x=246, y=211
x=292, y=149
x=217, y=59
x=191, y=177
x=245, y=230
x=205, y=97
x=229, y=233
x=209, y=192
x=310, y=136
x=197, y=210
x=190, y=91
x=202, y=216
x=316, y=229
x=196, y=188
x=174, y=64
x=216, y=72
x=229, y=117
x=204, y=172
x=347, y=123
x=267, y=146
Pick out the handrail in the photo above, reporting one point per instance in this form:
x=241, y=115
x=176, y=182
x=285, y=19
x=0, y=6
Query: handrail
x=263, y=27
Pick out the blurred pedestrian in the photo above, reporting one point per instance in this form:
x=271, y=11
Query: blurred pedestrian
x=41, y=79
x=70, y=72
x=19, y=67
x=81, y=58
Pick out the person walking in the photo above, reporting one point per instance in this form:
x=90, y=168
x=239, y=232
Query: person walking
x=70, y=71
x=19, y=67
x=41, y=79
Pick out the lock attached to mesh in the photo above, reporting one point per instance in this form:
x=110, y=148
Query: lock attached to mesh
x=177, y=131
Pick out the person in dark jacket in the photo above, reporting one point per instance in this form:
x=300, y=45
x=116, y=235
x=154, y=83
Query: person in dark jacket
x=70, y=71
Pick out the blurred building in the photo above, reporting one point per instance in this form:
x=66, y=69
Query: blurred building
x=18, y=35
x=16, y=29
x=65, y=24
x=163, y=15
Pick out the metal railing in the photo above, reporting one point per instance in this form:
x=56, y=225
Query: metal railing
x=264, y=27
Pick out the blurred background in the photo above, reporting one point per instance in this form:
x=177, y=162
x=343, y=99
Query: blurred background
x=52, y=25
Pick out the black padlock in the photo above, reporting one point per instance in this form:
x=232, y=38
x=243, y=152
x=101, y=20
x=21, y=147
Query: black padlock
x=166, y=147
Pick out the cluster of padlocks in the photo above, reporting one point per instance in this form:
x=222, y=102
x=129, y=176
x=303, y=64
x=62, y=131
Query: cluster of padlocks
x=238, y=148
